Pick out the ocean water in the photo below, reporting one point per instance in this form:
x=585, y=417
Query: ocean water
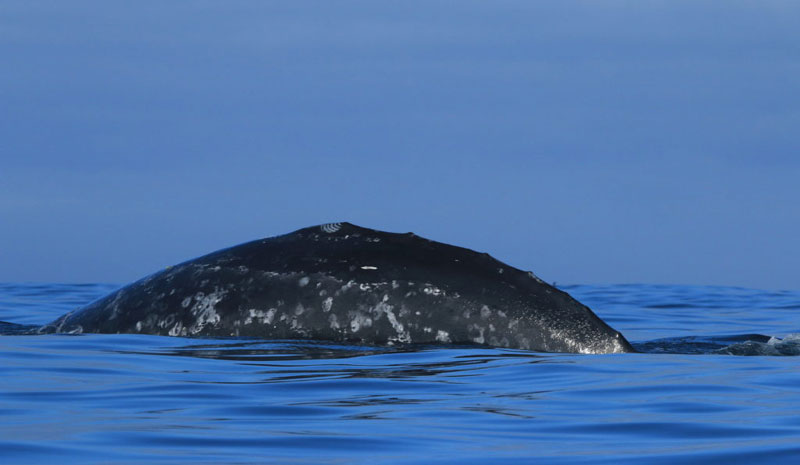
x=717, y=383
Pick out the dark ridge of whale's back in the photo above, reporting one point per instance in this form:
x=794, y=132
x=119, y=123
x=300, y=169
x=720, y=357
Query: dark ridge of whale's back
x=342, y=282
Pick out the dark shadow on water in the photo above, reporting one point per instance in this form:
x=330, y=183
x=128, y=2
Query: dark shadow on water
x=439, y=363
x=273, y=351
x=284, y=350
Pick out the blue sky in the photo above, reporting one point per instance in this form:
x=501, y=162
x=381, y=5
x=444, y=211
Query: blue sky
x=591, y=142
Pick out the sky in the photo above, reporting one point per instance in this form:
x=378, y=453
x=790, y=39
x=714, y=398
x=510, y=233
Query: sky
x=589, y=141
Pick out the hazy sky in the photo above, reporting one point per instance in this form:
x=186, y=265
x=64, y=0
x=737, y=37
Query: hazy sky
x=590, y=142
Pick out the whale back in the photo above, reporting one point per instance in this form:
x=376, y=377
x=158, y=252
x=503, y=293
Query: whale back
x=342, y=282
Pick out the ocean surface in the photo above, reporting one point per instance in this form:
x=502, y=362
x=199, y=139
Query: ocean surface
x=717, y=383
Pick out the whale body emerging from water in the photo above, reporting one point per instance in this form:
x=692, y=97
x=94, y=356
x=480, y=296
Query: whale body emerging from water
x=341, y=282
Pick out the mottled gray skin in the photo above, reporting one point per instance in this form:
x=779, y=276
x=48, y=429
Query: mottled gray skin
x=341, y=282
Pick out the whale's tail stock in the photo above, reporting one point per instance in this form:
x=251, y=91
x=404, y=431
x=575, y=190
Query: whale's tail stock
x=12, y=329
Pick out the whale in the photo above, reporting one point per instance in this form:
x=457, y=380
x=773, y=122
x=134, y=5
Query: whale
x=344, y=283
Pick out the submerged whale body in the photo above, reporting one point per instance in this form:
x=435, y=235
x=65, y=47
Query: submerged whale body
x=341, y=282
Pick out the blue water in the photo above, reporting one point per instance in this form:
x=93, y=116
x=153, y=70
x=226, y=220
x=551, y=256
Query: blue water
x=148, y=399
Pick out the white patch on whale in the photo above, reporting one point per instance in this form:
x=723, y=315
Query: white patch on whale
x=177, y=330
x=478, y=339
x=331, y=227
x=432, y=290
x=485, y=312
x=204, y=311
x=388, y=310
x=360, y=321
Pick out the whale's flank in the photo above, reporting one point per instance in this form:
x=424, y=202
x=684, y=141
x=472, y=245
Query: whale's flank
x=341, y=282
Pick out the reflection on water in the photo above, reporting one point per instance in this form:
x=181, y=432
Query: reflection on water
x=265, y=351
x=270, y=354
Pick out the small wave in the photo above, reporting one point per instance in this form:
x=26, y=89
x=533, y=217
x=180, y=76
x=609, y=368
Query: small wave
x=739, y=344
x=789, y=345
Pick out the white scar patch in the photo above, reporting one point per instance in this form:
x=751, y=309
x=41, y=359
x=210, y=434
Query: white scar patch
x=331, y=227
